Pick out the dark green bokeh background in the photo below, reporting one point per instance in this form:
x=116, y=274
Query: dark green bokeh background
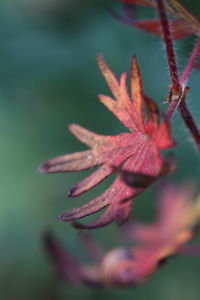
x=49, y=78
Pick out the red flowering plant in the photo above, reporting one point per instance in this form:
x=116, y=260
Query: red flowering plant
x=136, y=158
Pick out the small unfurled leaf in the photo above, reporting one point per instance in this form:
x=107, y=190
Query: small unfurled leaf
x=176, y=97
x=137, y=151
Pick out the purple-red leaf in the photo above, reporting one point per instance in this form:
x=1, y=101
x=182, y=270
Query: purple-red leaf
x=154, y=242
x=184, y=24
x=137, y=151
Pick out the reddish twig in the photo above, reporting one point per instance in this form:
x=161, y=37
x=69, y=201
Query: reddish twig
x=176, y=86
x=190, y=123
x=171, y=108
x=190, y=63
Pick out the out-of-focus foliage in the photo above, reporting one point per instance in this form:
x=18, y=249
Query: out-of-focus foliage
x=154, y=244
x=49, y=78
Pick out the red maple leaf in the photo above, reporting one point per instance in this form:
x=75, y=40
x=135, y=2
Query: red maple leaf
x=184, y=24
x=138, y=150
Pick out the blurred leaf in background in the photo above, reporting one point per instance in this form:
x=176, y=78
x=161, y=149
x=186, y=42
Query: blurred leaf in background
x=48, y=79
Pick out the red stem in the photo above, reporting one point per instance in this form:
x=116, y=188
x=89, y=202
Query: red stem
x=169, y=47
x=190, y=63
x=187, y=117
x=178, y=85
x=171, y=108
x=184, y=77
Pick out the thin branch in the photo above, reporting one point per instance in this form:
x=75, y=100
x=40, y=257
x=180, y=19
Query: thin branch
x=178, y=89
x=190, y=123
x=169, y=48
x=184, y=77
x=171, y=108
x=190, y=63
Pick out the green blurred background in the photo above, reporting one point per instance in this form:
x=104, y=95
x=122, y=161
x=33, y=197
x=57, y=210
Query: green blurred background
x=48, y=79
